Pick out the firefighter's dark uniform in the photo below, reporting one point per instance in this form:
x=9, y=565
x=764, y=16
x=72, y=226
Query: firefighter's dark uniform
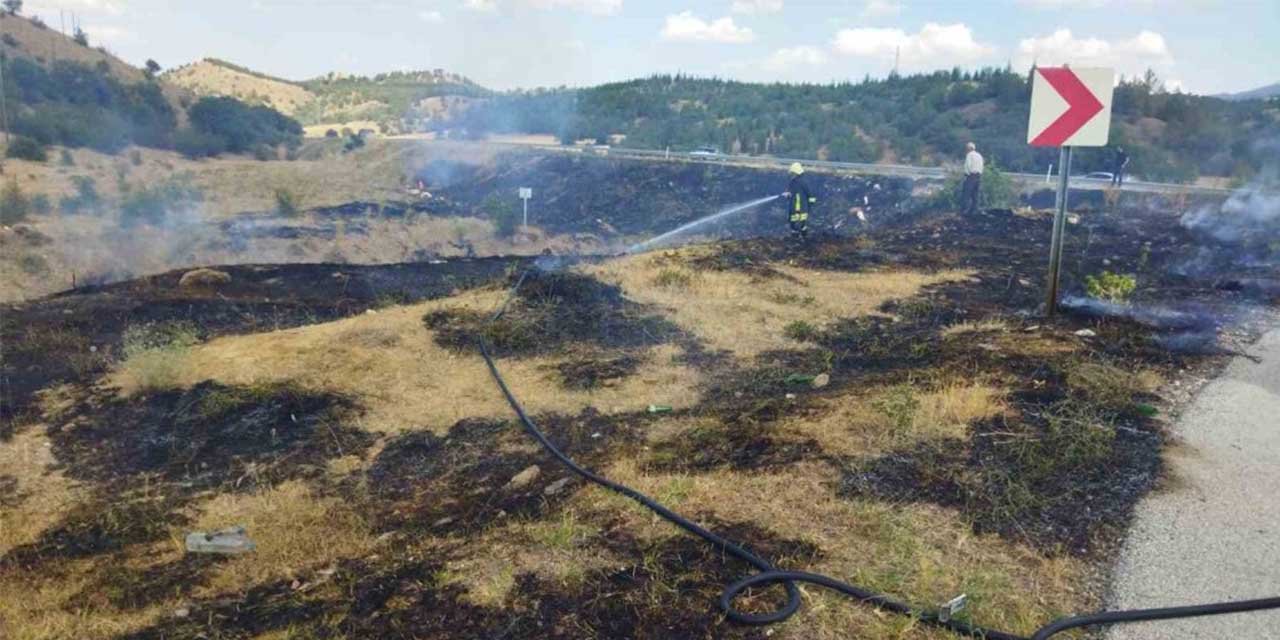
x=799, y=204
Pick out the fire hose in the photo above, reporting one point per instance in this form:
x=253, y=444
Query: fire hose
x=768, y=575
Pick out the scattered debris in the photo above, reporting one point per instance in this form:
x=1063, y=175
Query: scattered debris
x=231, y=541
x=525, y=478
x=557, y=486
x=821, y=380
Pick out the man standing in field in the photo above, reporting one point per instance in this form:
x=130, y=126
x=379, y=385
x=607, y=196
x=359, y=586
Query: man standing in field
x=800, y=200
x=1119, y=162
x=972, y=179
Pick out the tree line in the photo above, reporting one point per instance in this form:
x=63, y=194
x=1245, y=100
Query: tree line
x=919, y=119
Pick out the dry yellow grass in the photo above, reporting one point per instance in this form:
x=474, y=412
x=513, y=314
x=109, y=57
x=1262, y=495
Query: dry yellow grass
x=744, y=315
x=391, y=364
x=552, y=548
x=878, y=420
x=206, y=77
x=41, y=493
x=35, y=607
x=293, y=530
x=981, y=326
x=923, y=553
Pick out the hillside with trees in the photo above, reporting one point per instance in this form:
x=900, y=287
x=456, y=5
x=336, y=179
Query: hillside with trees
x=61, y=92
x=919, y=119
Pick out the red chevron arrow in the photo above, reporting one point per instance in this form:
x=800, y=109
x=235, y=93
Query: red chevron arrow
x=1082, y=106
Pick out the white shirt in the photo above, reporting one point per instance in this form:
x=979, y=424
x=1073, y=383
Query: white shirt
x=973, y=163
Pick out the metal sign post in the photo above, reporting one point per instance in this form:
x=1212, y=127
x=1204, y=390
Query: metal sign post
x=1069, y=108
x=1059, y=229
x=525, y=194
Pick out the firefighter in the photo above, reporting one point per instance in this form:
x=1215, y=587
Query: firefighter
x=800, y=201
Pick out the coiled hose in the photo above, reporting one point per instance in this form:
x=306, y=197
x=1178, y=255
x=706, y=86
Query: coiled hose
x=770, y=575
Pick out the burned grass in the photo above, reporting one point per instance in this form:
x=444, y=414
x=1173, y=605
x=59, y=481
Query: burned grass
x=553, y=310
x=663, y=590
x=76, y=336
x=149, y=456
x=483, y=471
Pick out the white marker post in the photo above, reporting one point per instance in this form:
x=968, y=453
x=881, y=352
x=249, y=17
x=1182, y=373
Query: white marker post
x=1069, y=108
x=525, y=194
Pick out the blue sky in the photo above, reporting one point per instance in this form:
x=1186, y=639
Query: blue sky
x=1198, y=45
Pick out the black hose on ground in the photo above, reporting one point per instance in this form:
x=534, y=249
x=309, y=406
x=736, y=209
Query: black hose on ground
x=769, y=575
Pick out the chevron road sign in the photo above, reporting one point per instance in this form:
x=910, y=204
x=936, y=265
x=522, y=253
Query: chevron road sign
x=1070, y=107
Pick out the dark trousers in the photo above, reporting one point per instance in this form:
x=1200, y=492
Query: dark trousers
x=969, y=193
x=1117, y=177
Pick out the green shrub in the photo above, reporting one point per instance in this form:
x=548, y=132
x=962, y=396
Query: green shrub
x=14, y=204
x=1111, y=287
x=86, y=199
x=801, y=331
x=505, y=214
x=900, y=405
x=673, y=279
x=198, y=144
x=33, y=264
x=135, y=157
x=997, y=191
x=152, y=205
x=287, y=202
x=24, y=148
x=65, y=159
x=154, y=355
x=40, y=204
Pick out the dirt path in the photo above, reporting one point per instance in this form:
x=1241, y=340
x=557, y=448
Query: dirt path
x=1216, y=534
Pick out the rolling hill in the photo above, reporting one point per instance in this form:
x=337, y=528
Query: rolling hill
x=214, y=77
x=392, y=102
x=32, y=40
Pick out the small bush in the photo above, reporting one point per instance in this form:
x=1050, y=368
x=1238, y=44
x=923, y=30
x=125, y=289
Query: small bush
x=900, y=405
x=135, y=157
x=24, y=148
x=287, y=202
x=154, y=355
x=330, y=134
x=198, y=144
x=33, y=264
x=673, y=279
x=1111, y=287
x=997, y=189
x=85, y=200
x=40, y=204
x=504, y=213
x=152, y=205
x=801, y=331
x=65, y=158
x=14, y=204
x=9, y=40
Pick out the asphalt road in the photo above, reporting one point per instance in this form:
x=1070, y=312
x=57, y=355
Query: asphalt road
x=1214, y=535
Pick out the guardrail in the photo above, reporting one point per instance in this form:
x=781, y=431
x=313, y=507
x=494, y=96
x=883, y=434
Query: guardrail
x=908, y=171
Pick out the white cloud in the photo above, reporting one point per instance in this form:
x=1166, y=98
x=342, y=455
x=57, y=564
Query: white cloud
x=788, y=59
x=112, y=7
x=756, y=7
x=598, y=7
x=686, y=27
x=881, y=8
x=1130, y=56
x=934, y=45
x=433, y=17
x=1084, y=4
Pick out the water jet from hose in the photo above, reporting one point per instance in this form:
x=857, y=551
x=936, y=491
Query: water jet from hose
x=653, y=243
